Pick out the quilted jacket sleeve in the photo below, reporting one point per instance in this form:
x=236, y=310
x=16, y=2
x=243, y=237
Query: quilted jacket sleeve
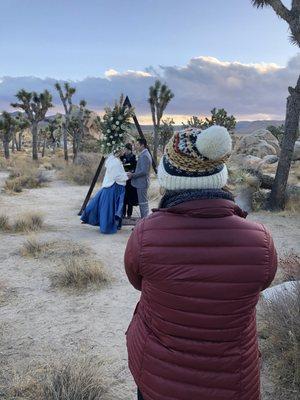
x=272, y=265
x=132, y=258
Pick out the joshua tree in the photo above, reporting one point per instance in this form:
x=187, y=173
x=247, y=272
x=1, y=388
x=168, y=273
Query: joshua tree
x=35, y=107
x=292, y=17
x=22, y=123
x=77, y=126
x=7, y=127
x=159, y=97
x=218, y=117
x=53, y=130
x=66, y=99
x=166, y=131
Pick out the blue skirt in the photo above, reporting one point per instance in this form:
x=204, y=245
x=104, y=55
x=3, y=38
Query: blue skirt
x=105, y=209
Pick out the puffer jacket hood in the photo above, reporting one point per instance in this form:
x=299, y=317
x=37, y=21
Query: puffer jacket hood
x=200, y=266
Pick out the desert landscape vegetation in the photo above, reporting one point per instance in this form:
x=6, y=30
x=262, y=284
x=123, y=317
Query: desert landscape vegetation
x=65, y=301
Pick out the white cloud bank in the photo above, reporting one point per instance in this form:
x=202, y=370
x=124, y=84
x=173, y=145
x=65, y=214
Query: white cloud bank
x=249, y=91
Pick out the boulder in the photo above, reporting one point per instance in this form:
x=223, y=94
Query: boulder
x=259, y=143
x=270, y=159
x=281, y=291
x=296, y=154
x=246, y=161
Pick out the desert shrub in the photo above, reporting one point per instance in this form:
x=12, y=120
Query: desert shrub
x=74, y=379
x=281, y=330
x=4, y=164
x=48, y=166
x=80, y=273
x=28, y=223
x=293, y=200
x=4, y=223
x=91, y=145
x=83, y=170
x=289, y=263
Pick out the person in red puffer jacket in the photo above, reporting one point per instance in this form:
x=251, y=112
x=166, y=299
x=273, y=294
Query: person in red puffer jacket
x=200, y=267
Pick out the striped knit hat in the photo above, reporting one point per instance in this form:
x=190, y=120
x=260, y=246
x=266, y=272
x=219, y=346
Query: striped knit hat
x=195, y=159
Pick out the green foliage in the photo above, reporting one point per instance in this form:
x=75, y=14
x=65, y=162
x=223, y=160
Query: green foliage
x=166, y=131
x=35, y=105
x=159, y=97
x=218, y=117
x=7, y=125
x=114, y=126
x=277, y=131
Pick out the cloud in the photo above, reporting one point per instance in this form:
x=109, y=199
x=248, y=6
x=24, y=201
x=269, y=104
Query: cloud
x=245, y=90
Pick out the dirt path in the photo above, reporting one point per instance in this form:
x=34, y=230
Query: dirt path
x=43, y=322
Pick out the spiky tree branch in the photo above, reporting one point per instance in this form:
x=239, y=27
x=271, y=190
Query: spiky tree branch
x=291, y=16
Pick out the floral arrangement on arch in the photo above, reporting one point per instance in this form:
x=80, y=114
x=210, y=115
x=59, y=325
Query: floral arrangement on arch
x=114, y=126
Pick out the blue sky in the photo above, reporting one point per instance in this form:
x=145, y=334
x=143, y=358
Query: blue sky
x=222, y=53
x=72, y=39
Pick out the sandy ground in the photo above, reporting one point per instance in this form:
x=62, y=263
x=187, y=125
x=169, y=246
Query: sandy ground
x=42, y=323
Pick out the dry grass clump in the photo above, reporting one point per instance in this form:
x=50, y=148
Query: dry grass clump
x=4, y=223
x=81, y=273
x=76, y=379
x=281, y=330
x=28, y=223
x=31, y=222
x=83, y=170
x=56, y=250
x=25, y=175
x=57, y=162
x=293, y=201
x=77, y=266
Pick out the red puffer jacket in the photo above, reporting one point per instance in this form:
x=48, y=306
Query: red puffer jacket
x=200, y=267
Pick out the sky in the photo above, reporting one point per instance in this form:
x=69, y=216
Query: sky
x=108, y=47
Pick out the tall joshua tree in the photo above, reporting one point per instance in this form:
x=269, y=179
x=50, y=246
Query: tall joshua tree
x=35, y=106
x=22, y=123
x=159, y=97
x=292, y=17
x=66, y=99
x=77, y=126
x=7, y=127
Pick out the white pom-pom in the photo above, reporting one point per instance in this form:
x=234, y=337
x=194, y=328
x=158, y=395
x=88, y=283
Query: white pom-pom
x=214, y=142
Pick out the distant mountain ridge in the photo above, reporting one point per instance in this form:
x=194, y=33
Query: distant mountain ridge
x=244, y=127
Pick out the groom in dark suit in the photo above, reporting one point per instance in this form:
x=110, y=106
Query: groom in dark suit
x=140, y=179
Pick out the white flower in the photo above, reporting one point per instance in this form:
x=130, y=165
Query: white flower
x=117, y=128
x=121, y=134
x=108, y=131
x=123, y=126
x=111, y=136
x=120, y=117
x=113, y=142
x=113, y=127
x=117, y=123
x=111, y=118
x=108, y=144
